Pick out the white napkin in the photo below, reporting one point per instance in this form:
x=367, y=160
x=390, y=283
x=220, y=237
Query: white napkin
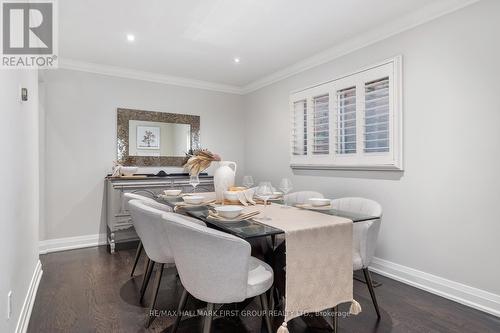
x=242, y=198
x=248, y=194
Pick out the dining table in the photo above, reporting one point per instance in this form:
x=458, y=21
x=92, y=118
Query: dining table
x=251, y=228
x=258, y=228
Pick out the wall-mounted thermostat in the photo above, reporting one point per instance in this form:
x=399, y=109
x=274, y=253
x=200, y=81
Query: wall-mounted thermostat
x=24, y=94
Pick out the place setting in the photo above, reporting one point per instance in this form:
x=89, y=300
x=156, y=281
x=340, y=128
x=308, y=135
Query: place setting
x=185, y=200
x=316, y=204
x=170, y=194
x=193, y=201
x=230, y=213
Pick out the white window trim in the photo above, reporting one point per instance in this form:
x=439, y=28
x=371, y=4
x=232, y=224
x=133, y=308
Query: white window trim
x=375, y=161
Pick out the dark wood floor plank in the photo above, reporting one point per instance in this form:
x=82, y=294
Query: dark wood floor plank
x=79, y=293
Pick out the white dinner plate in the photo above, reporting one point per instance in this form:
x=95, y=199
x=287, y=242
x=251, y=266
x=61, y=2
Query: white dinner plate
x=311, y=207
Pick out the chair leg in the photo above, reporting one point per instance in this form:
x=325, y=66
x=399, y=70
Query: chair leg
x=267, y=315
x=335, y=319
x=207, y=325
x=180, y=309
x=151, y=317
x=147, y=277
x=148, y=262
x=369, y=283
x=137, y=256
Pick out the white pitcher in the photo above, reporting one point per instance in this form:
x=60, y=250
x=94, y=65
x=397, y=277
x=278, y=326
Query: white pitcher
x=224, y=178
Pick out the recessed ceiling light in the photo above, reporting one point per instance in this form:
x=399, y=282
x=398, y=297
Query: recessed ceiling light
x=237, y=60
x=130, y=37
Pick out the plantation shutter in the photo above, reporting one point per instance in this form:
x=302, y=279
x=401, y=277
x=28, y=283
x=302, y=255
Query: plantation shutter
x=321, y=129
x=376, y=129
x=346, y=121
x=299, y=128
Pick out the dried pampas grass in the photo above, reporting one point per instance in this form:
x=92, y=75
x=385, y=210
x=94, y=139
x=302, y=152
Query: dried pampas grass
x=198, y=160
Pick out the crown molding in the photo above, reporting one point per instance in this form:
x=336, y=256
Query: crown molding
x=89, y=67
x=407, y=22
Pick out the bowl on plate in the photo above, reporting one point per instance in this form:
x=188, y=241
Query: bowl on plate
x=229, y=211
x=231, y=195
x=193, y=199
x=128, y=171
x=319, y=202
x=172, y=193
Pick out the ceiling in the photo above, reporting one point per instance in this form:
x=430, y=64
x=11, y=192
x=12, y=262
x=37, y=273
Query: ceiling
x=199, y=39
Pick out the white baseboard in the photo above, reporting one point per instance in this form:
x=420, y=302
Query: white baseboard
x=473, y=297
x=24, y=316
x=71, y=243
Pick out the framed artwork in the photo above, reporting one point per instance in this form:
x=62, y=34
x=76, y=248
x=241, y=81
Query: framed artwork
x=148, y=137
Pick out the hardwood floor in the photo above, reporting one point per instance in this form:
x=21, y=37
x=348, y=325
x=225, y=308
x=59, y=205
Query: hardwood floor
x=89, y=290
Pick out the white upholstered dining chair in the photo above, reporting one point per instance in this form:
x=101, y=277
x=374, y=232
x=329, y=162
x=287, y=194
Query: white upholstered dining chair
x=301, y=197
x=215, y=267
x=365, y=236
x=149, y=225
x=152, y=203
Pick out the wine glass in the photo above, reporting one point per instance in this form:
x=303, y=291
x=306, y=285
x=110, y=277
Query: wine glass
x=248, y=181
x=194, y=181
x=286, y=186
x=264, y=192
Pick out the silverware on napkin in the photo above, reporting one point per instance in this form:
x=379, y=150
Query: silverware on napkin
x=238, y=218
x=184, y=204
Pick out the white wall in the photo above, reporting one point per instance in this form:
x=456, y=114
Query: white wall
x=440, y=213
x=81, y=139
x=19, y=194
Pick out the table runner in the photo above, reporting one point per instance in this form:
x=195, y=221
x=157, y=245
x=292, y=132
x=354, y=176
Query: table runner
x=318, y=259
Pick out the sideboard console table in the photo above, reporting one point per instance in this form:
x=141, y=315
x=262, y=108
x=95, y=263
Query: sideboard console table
x=120, y=231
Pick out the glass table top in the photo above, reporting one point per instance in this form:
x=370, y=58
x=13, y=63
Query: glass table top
x=250, y=228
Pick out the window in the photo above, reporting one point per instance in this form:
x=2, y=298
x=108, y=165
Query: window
x=353, y=122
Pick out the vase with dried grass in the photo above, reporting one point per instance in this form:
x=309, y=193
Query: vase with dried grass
x=224, y=176
x=198, y=160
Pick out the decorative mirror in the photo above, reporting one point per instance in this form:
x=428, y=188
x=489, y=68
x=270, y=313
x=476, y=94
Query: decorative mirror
x=147, y=138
